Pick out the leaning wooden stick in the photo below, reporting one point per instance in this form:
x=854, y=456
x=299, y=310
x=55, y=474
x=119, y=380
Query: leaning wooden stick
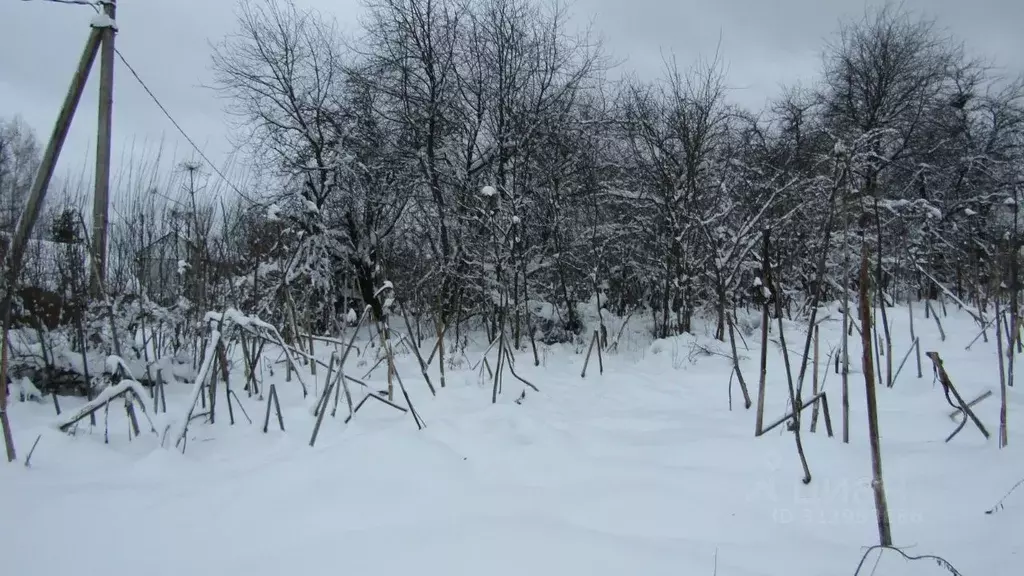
x=915, y=346
x=814, y=400
x=273, y=402
x=953, y=414
x=377, y=398
x=814, y=377
x=333, y=383
x=948, y=388
x=321, y=405
x=982, y=333
x=913, y=337
x=825, y=410
x=416, y=350
x=511, y=368
x=928, y=306
x=736, y=362
x=593, y=342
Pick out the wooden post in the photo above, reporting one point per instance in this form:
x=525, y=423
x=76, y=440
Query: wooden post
x=590, y=350
x=913, y=335
x=759, y=423
x=442, y=328
x=1014, y=336
x=847, y=320
x=101, y=196
x=1002, y=370
x=385, y=342
x=273, y=401
x=225, y=373
x=30, y=214
x=814, y=376
x=928, y=308
x=881, y=506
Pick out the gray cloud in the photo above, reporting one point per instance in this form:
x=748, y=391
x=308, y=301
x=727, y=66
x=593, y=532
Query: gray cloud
x=764, y=44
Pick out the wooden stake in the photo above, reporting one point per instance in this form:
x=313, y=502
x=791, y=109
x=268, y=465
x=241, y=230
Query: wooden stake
x=385, y=342
x=958, y=412
x=814, y=378
x=377, y=398
x=420, y=424
x=416, y=350
x=211, y=389
x=815, y=400
x=846, y=357
x=759, y=423
x=273, y=400
x=159, y=397
x=321, y=405
x=1002, y=373
x=32, y=450
x=913, y=338
x=441, y=330
x=794, y=399
x=590, y=350
x=881, y=506
x=736, y=364
x=498, y=365
x=948, y=389
x=928, y=306
x=348, y=394
x=916, y=346
x=511, y=368
x=1015, y=328
x=827, y=412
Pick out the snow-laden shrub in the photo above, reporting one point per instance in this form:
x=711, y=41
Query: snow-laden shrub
x=25, y=390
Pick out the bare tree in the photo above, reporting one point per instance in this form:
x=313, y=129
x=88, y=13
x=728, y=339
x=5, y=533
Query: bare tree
x=676, y=131
x=284, y=74
x=19, y=160
x=410, y=57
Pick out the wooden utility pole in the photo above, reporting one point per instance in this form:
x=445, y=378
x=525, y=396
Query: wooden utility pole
x=30, y=214
x=101, y=198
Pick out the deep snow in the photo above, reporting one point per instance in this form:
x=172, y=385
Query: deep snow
x=642, y=470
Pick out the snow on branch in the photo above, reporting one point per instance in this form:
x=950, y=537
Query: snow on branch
x=197, y=386
x=106, y=395
x=237, y=318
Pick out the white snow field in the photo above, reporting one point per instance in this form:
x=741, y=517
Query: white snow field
x=643, y=470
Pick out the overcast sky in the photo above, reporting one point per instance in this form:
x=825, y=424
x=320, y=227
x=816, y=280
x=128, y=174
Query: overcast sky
x=765, y=44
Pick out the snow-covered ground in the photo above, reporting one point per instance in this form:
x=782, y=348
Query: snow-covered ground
x=643, y=470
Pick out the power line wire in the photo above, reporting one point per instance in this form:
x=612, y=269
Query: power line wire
x=78, y=2
x=178, y=126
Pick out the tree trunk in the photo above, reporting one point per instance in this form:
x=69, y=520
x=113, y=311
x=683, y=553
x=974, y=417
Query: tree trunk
x=367, y=289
